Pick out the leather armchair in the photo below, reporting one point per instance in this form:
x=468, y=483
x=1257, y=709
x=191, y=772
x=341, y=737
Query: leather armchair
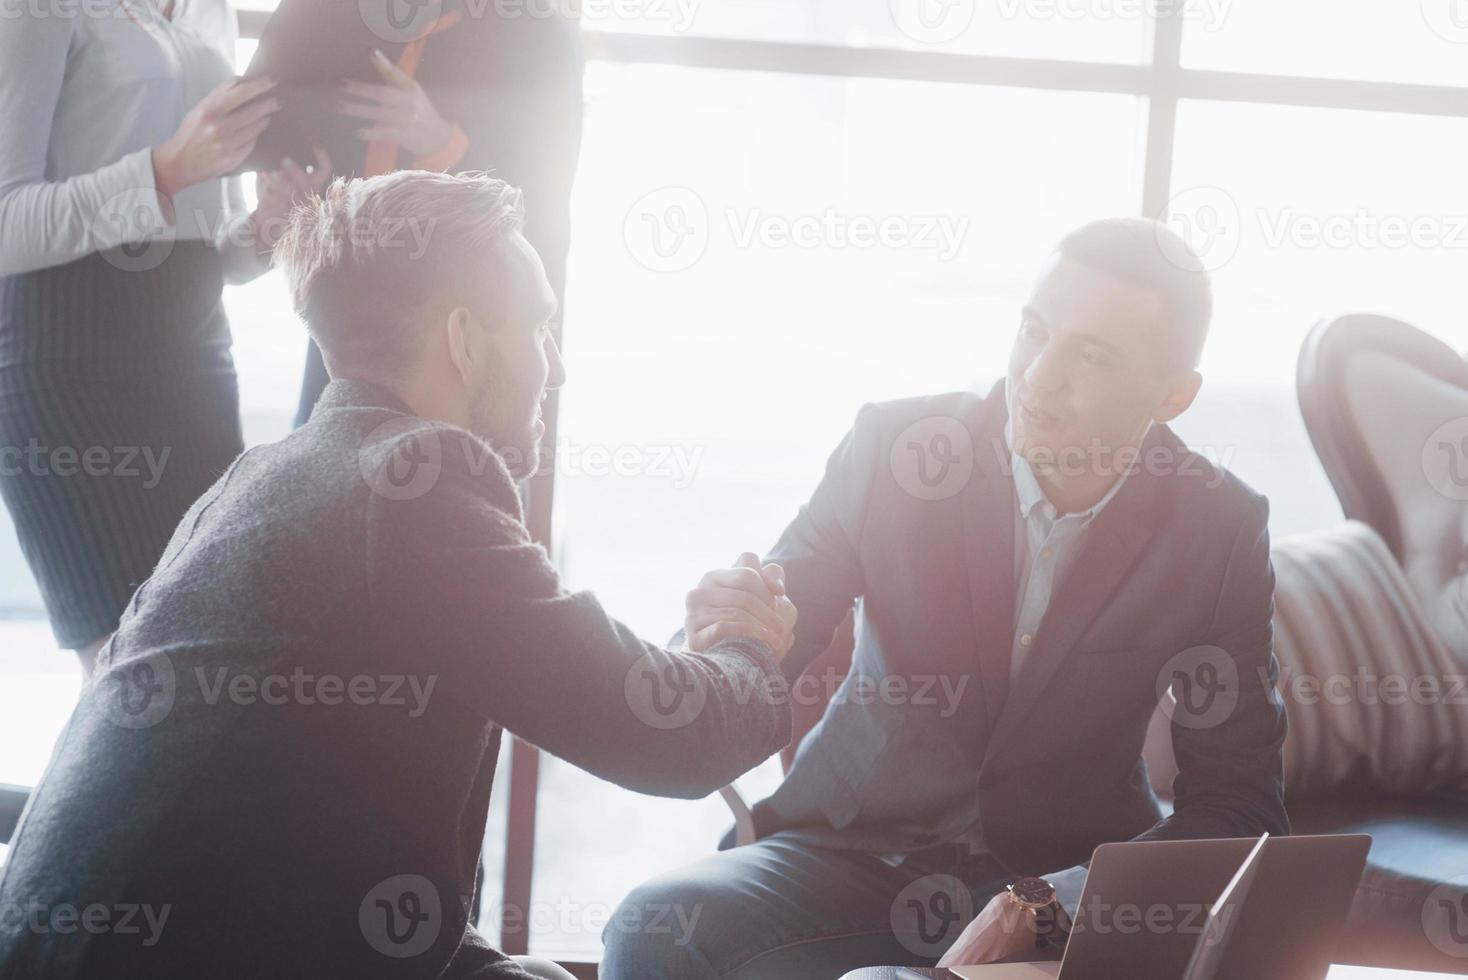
x=1380, y=596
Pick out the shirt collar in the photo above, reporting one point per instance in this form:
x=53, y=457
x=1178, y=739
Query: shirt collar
x=1028, y=492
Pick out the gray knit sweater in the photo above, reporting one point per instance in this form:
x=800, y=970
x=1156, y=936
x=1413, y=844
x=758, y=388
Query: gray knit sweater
x=283, y=766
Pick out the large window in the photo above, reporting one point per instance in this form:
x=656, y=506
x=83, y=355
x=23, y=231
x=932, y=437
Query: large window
x=726, y=319
x=787, y=208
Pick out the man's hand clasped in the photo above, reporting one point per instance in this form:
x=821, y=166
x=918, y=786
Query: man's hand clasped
x=747, y=599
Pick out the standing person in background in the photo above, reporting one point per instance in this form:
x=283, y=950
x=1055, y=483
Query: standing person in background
x=483, y=87
x=118, y=231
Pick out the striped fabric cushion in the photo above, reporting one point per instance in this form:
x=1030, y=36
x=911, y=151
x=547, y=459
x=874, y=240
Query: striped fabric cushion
x=1376, y=702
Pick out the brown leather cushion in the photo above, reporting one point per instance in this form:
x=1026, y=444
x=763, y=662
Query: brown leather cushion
x=1373, y=697
x=1418, y=444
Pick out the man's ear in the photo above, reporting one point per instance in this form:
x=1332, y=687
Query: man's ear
x=460, y=333
x=1180, y=394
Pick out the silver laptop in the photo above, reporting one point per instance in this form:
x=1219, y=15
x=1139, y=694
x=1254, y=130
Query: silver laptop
x=1245, y=909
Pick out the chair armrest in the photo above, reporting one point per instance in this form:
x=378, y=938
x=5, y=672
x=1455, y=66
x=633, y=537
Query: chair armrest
x=12, y=801
x=743, y=815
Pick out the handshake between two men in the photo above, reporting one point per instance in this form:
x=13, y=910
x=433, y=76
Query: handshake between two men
x=747, y=599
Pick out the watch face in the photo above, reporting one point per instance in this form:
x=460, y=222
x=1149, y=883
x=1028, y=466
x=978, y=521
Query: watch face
x=1034, y=892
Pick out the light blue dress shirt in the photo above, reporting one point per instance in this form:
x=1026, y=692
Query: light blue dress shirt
x=1044, y=546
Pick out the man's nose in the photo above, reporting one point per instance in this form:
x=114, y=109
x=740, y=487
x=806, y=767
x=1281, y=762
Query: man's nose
x=1047, y=371
x=557, y=375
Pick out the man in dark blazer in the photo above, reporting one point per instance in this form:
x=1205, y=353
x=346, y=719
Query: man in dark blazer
x=1029, y=571
x=293, y=732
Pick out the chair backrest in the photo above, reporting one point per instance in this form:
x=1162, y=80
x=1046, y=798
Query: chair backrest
x=1386, y=406
x=12, y=802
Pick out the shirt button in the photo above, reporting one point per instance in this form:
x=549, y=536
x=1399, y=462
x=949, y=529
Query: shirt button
x=1045, y=552
x=1024, y=641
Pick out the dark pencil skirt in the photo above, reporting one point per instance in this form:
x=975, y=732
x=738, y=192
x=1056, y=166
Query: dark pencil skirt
x=118, y=408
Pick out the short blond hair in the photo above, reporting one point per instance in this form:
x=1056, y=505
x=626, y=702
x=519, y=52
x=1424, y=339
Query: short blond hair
x=370, y=261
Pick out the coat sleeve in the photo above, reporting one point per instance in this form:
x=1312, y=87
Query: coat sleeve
x=457, y=583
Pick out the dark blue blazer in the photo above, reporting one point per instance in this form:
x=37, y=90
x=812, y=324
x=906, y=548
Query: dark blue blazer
x=913, y=526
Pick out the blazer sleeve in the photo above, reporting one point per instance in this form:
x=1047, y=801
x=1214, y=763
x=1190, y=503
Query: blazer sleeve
x=1230, y=780
x=455, y=579
x=820, y=549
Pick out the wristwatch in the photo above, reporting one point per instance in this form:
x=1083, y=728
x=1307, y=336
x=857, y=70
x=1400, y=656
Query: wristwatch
x=1037, y=896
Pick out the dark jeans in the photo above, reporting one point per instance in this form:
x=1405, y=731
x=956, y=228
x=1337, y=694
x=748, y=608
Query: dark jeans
x=781, y=909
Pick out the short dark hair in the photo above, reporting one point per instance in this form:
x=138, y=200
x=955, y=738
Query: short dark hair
x=1150, y=255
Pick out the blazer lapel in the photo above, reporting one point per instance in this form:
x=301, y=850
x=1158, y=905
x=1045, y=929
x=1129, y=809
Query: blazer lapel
x=1111, y=546
x=989, y=507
